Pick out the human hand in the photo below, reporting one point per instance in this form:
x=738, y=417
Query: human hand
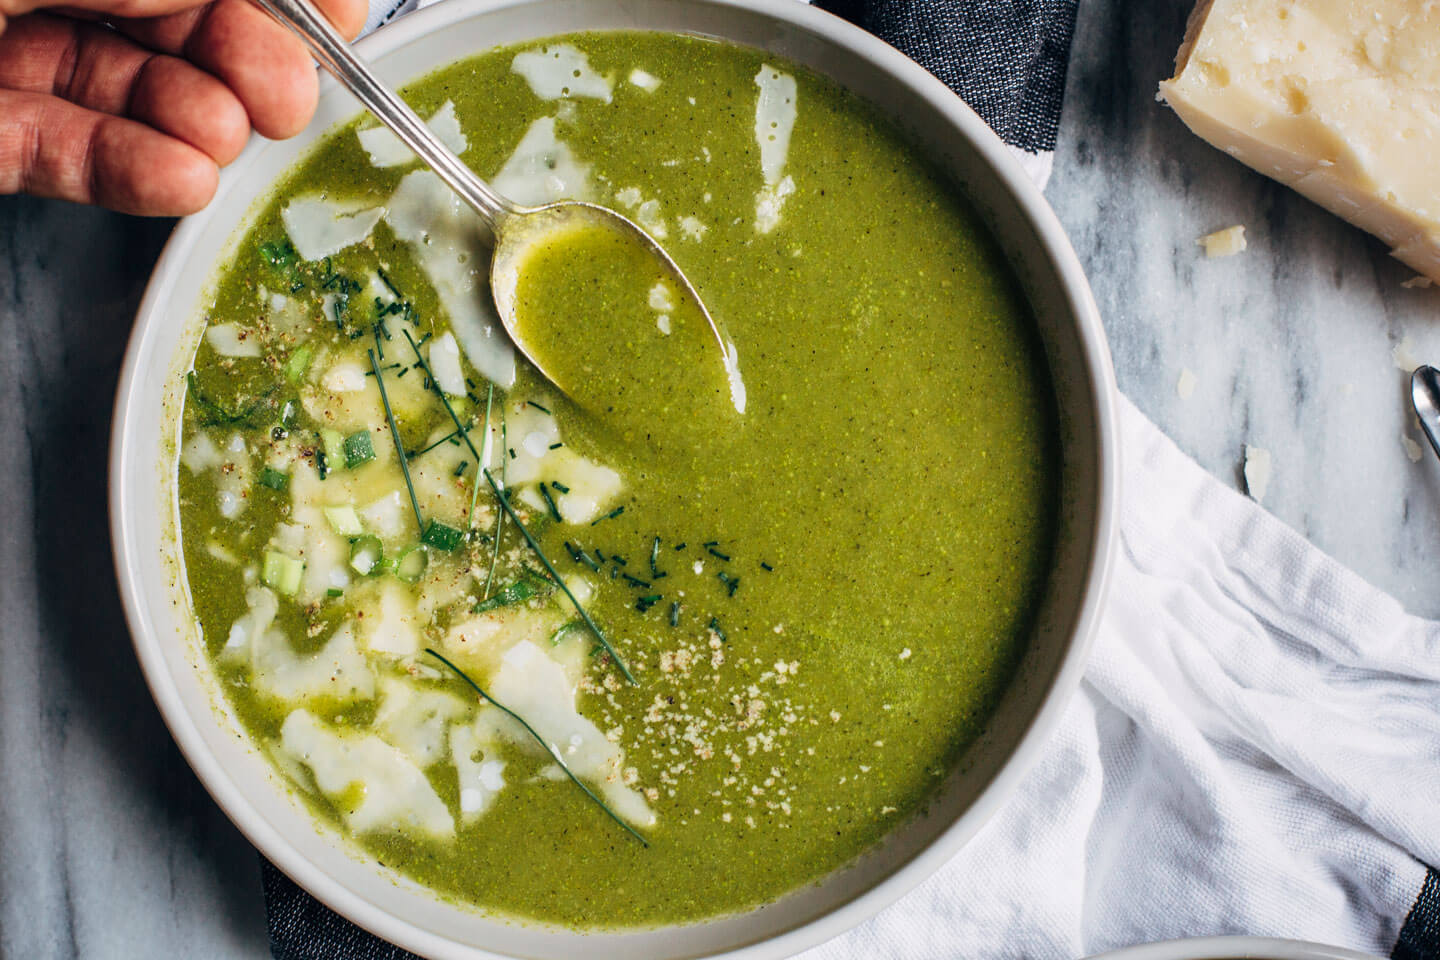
x=136, y=104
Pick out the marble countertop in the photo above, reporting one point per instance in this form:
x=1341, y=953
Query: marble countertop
x=108, y=845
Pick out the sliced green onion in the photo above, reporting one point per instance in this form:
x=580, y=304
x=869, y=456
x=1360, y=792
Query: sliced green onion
x=274, y=479
x=299, y=363
x=334, y=447
x=281, y=573
x=344, y=521
x=410, y=565
x=366, y=554
x=358, y=449
x=441, y=536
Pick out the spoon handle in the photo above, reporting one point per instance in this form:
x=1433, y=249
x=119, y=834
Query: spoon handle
x=335, y=55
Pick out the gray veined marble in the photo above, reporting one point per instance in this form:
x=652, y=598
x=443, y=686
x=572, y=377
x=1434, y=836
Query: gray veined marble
x=108, y=845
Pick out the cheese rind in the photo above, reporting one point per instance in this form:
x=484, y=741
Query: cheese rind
x=1338, y=99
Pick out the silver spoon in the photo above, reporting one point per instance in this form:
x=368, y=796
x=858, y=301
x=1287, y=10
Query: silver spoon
x=513, y=227
x=1425, y=395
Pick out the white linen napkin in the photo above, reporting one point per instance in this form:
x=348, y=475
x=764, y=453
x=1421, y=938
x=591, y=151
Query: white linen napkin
x=1256, y=745
x=1255, y=749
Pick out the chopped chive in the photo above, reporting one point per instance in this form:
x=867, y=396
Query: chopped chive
x=556, y=446
x=322, y=464
x=681, y=546
x=550, y=502
x=385, y=279
x=675, y=614
x=537, y=406
x=512, y=452
x=609, y=516
x=395, y=436
x=460, y=470
x=634, y=581
x=765, y=566
x=643, y=604
x=654, y=557
x=543, y=743
x=334, y=592
x=599, y=556
x=710, y=543
x=731, y=583
x=618, y=559
x=510, y=511
x=714, y=626
x=274, y=479
x=716, y=553
x=559, y=486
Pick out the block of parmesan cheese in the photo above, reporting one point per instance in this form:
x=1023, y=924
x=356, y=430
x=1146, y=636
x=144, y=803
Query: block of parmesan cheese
x=1339, y=99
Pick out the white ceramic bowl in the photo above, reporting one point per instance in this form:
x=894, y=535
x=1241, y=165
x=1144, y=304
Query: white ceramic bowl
x=1233, y=948
x=143, y=511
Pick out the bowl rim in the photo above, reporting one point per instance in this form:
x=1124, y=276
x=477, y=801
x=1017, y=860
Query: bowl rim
x=1234, y=947
x=1095, y=359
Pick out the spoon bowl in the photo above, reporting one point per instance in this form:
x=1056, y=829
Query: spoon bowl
x=515, y=229
x=1425, y=396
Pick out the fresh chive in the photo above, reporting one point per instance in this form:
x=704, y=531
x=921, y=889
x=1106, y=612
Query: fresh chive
x=543, y=743
x=675, y=614
x=710, y=543
x=510, y=511
x=609, y=516
x=485, y=445
x=512, y=452
x=499, y=514
x=537, y=406
x=654, y=558
x=395, y=436
x=731, y=583
x=556, y=446
x=643, y=604
x=421, y=453
x=334, y=592
x=550, y=569
x=550, y=502
x=634, y=581
x=274, y=479
x=385, y=279
x=460, y=470
x=765, y=566
x=618, y=559
x=716, y=553
x=559, y=486
x=714, y=625
x=681, y=546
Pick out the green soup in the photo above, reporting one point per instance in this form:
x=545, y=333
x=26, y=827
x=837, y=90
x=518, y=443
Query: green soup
x=820, y=598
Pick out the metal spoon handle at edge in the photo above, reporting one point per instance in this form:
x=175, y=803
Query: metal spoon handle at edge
x=1425, y=396
x=306, y=21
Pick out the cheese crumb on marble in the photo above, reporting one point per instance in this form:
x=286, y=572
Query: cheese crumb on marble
x=1224, y=243
x=1258, y=469
x=1333, y=99
x=1185, y=386
x=1413, y=450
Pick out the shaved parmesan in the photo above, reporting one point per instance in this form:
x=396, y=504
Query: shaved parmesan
x=542, y=169
x=319, y=228
x=386, y=150
x=393, y=630
x=538, y=689
x=774, y=120
x=447, y=239
x=415, y=720
x=480, y=779
x=339, y=670
x=393, y=793
x=558, y=71
x=445, y=365
x=644, y=80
